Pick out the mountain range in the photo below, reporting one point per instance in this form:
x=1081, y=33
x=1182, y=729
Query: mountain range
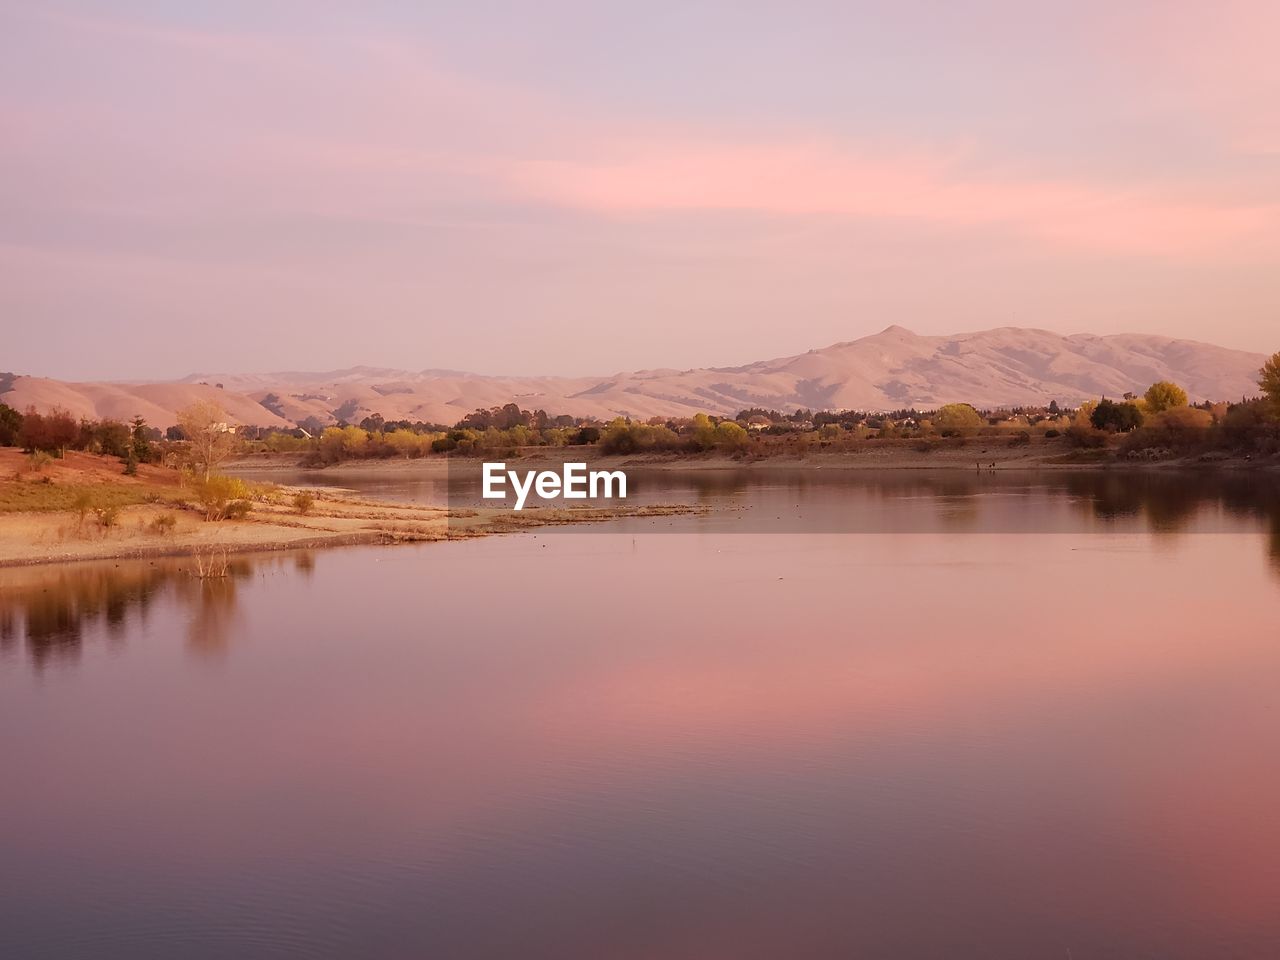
x=892, y=369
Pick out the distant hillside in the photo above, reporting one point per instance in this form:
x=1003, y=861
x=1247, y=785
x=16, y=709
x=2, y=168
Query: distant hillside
x=894, y=368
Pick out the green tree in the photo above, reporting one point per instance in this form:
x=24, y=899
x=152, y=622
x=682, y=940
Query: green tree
x=10, y=425
x=1269, y=381
x=140, y=440
x=1164, y=396
x=1118, y=417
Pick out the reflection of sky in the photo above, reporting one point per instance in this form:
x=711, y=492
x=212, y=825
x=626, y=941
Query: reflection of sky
x=674, y=746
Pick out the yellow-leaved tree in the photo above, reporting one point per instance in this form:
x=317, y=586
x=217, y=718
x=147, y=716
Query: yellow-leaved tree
x=1164, y=396
x=958, y=418
x=211, y=439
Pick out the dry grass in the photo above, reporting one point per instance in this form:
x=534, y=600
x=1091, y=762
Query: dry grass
x=36, y=497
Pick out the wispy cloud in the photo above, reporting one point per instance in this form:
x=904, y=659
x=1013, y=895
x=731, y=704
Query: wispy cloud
x=932, y=185
x=297, y=149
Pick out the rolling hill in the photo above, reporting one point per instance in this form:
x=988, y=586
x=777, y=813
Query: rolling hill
x=892, y=369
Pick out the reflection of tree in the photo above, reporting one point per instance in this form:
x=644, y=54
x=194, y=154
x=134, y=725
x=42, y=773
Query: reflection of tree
x=213, y=602
x=1160, y=502
x=1273, y=542
x=55, y=608
x=1105, y=496
x=1169, y=502
x=708, y=485
x=8, y=630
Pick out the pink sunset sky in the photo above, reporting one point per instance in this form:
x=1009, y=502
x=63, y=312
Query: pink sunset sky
x=584, y=187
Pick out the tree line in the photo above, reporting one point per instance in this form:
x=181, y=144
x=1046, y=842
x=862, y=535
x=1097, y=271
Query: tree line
x=1159, y=420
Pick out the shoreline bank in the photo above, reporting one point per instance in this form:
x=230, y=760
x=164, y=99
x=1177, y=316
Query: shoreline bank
x=1043, y=456
x=81, y=507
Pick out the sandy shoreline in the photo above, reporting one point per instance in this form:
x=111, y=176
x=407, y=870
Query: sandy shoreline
x=152, y=518
x=45, y=538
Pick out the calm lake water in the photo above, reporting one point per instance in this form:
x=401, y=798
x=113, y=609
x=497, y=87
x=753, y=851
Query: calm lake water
x=1013, y=718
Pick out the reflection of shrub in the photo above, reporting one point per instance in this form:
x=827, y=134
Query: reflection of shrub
x=222, y=498
x=303, y=501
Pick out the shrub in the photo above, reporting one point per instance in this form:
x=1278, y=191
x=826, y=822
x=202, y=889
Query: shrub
x=221, y=497
x=1020, y=439
x=37, y=460
x=237, y=510
x=303, y=501
x=1051, y=433
x=1250, y=427
x=82, y=504
x=1085, y=438
x=165, y=523
x=107, y=515
x=732, y=436
x=622, y=436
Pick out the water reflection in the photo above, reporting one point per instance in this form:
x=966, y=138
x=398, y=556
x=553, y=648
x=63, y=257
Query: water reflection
x=55, y=611
x=680, y=747
x=52, y=608
x=868, y=500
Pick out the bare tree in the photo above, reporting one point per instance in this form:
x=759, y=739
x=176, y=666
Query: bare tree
x=204, y=424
